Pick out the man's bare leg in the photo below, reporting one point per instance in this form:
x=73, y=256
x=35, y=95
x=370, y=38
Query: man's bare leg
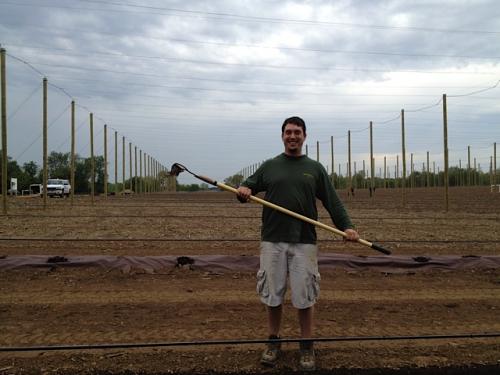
x=306, y=322
x=274, y=319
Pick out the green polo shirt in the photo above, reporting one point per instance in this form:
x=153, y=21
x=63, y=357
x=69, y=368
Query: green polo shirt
x=295, y=183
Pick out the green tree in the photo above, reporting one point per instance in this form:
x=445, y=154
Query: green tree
x=234, y=180
x=58, y=164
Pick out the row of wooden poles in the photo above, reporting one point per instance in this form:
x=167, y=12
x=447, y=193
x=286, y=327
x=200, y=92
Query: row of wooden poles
x=148, y=183
x=247, y=171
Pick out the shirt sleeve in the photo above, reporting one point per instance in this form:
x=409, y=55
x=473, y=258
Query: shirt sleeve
x=255, y=181
x=328, y=196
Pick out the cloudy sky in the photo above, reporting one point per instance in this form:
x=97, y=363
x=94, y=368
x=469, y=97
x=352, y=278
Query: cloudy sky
x=208, y=83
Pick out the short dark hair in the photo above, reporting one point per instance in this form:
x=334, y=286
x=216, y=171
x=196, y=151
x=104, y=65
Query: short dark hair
x=296, y=121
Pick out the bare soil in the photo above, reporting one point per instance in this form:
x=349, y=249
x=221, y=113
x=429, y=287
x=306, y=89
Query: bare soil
x=60, y=305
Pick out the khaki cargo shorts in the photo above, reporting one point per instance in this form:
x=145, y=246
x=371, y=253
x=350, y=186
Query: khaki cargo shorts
x=298, y=261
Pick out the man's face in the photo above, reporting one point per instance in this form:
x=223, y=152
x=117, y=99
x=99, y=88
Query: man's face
x=293, y=137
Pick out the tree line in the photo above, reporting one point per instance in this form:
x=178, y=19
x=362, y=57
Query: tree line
x=456, y=177
x=58, y=166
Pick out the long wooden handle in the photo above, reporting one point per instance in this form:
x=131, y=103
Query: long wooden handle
x=304, y=218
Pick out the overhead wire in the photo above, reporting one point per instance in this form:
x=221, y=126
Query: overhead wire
x=257, y=46
x=13, y=113
x=41, y=133
x=226, y=15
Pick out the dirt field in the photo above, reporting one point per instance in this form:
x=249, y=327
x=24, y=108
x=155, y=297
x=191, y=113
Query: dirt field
x=62, y=305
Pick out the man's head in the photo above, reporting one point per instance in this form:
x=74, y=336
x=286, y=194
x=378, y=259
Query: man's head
x=294, y=120
x=293, y=134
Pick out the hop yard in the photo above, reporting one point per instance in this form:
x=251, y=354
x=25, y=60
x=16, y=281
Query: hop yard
x=112, y=279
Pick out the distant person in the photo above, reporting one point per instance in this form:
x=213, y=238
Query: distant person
x=288, y=247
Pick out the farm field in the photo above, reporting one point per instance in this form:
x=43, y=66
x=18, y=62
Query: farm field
x=60, y=304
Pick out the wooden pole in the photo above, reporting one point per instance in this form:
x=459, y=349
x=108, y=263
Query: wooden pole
x=45, y=154
x=494, y=163
x=123, y=165
x=317, y=151
x=141, y=181
x=130, y=163
x=105, y=161
x=445, y=139
x=333, y=161
x=372, y=166
x=3, y=94
x=92, y=160
x=72, y=167
x=146, y=189
x=135, y=170
x=349, y=160
x=403, y=180
x=116, y=163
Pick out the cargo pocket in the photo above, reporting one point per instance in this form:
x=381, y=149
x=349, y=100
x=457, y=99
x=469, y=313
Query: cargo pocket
x=262, y=284
x=313, y=292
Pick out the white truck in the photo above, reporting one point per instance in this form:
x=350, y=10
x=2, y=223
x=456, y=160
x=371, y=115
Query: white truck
x=58, y=187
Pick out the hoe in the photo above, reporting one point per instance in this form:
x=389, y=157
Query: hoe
x=178, y=168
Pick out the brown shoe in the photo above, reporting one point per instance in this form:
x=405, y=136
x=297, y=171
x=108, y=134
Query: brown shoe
x=307, y=360
x=271, y=353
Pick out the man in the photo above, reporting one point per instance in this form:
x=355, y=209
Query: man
x=288, y=246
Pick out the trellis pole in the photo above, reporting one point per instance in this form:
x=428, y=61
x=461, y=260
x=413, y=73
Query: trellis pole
x=403, y=181
x=494, y=163
x=123, y=165
x=445, y=139
x=333, y=161
x=116, y=162
x=146, y=174
x=3, y=94
x=141, y=181
x=372, y=164
x=349, y=160
x=135, y=170
x=72, y=167
x=105, y=161
x=45, y=155
x=92, y=160
x=130, y=163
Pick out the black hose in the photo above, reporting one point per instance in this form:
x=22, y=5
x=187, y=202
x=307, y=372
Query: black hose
x=246, y=342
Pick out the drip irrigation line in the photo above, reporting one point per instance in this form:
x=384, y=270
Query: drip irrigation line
x=249, y=342
x=195, y=216
x=58, y=239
